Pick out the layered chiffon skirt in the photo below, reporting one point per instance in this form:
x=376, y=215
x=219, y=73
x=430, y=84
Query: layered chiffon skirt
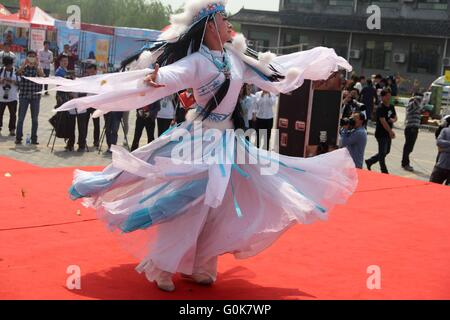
x=180, y=215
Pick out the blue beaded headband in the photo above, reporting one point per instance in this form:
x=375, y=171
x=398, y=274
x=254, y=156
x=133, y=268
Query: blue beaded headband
x=209, y=10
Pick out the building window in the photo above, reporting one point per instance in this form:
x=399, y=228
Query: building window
x=432, y=4
x=295, y=4
x=258, y=40
x=294, y=41
x=424, y=58
x=378, y=55
x=338, y=42
x=387, y=3
x=344, y=3
x=258, y=44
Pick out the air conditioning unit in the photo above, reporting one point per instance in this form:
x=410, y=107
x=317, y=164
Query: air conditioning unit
x=355, y=54
x=399, y=57
x=446, y=62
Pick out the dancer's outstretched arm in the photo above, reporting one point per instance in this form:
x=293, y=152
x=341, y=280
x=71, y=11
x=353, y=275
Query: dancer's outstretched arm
x=126, y=91
x=316, y=64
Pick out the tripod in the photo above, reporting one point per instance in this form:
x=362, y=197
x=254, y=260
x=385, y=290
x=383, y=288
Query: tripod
x=103, y=136
x=53, y=134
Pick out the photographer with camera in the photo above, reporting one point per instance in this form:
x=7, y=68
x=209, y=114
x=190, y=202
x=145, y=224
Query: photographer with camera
x=7, y=53
x=29, y=95
x=8, y=93
x=352, y=104
x=386, y=117
x=146, y=118
x=354, y=137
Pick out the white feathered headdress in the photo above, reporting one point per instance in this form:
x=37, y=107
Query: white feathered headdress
x=194, y=11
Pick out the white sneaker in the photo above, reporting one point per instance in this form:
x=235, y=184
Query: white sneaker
x=202, y=279
x=165, y=283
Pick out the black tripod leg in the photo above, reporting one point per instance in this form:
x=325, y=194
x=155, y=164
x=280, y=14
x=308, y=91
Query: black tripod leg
x=55, y=130
x=102, y=139
x=126, y=138
x=50, y=139
x=54, y=141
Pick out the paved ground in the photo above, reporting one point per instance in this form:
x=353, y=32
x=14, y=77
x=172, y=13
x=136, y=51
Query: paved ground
x=423, y=158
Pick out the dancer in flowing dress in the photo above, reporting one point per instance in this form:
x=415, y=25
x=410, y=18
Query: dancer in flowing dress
x=187, y=198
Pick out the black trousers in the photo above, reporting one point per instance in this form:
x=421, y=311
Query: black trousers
x=384, y=148
x=141, y=123
x=264, y=124
x=12, y=108
x=411, y=135
x=163, y=125
x=96, y=122
x=82, y=121
x=440, y=176
x=112, y=125
x=251, y=125
x=47, y=74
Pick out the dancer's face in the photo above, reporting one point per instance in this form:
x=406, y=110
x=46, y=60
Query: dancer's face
x=224, y=28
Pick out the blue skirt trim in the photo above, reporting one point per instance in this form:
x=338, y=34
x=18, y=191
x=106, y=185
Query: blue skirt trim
x=165, y=208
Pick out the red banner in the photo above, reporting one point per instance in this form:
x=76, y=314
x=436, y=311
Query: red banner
x=25, y=9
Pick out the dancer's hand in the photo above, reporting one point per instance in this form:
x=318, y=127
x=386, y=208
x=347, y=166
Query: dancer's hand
x=150, y=80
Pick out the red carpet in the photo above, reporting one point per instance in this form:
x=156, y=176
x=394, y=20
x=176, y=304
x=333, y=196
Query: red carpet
x=400, y=225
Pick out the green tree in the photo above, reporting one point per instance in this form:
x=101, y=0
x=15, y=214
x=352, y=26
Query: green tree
x=151, y=14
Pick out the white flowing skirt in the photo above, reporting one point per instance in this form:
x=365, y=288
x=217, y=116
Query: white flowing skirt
x=181, y=217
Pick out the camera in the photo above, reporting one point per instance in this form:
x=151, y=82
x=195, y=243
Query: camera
x=144, y=113
x=350, y=122
x=6, y=89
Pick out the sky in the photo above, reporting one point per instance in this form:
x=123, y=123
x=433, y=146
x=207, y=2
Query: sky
x=235, y=5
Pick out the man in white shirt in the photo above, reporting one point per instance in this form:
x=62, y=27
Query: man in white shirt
x=45, y=60
x=8, y=93
x=263, y=114
x=359, y=83
x=7, y=53
x=247, y=100
x=166, y=116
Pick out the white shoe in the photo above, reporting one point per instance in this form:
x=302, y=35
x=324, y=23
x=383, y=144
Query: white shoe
x=202, y=279
x=165, y=283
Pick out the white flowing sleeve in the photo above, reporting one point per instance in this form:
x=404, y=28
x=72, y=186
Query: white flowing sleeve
x=315, y=64
x=126, y=91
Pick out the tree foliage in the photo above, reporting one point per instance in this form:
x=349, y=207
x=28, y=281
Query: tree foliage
x=150, y=14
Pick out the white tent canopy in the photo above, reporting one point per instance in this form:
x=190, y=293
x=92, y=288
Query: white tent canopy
x=38, y=19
